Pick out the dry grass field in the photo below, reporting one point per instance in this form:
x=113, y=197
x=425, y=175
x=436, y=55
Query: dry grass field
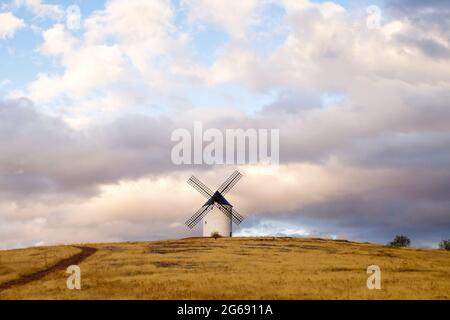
x=17, y=263
x=233, y=268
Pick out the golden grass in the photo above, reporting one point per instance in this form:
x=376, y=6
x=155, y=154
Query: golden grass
x=19, y=262
x=244, y=268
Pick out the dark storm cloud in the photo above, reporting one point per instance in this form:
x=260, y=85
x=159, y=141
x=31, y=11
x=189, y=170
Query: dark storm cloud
x=427, y=46
x=40, y=154
x=420, y=151
x=409, y=206
x=380, y=215
x=428, y=15
x=418, y=5
x=428, y=18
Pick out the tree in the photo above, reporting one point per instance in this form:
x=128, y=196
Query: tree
x=445, y=244
x=215, y=235
x=400, y=241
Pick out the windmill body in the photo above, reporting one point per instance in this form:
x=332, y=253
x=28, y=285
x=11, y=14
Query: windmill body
x=217, y=214
x=216, y=222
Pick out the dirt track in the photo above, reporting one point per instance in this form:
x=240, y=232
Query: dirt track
x=60, y=265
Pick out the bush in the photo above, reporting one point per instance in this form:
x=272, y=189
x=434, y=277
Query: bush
x=444, y=244
x=215, y=235
x=400, y=241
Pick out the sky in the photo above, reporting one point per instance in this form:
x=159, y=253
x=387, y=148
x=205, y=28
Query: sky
x=87, y=110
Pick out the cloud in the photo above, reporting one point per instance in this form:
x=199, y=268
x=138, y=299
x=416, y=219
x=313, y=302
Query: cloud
x=41, y=10
x=327, y=47
x=274, y=229
x=233, y=19
x=5, y=83
x=429, y=25
x=132, y=43
x=365, y=164
x=135, y=143
x=123, y=179
x=430, y=14
x=86, y=67
x=9, y=24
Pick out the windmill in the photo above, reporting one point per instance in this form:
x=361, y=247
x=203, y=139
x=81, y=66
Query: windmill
x=217, y=213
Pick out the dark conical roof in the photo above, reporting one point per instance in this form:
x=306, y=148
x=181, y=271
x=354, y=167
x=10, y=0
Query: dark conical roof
x=219, y=198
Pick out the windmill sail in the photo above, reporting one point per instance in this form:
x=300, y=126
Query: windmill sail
x=215, y=199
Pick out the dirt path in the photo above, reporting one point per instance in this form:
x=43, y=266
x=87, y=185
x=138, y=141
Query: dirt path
x=61, y=265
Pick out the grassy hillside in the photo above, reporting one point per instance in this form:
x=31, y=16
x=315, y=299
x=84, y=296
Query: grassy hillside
x=17, y=263
x=236, y=268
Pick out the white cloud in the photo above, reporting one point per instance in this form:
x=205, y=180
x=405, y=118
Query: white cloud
x=273, y=228
x=58, y=41
x=9, y=24
x=233, y=18
x=327, y=48
x=85, y=67
x=126, y=42
x=41, y=10
x=4, y=83
x=89, y=67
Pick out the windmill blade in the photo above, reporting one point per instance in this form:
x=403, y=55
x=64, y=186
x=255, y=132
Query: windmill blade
x=234, y=215
x=200, y=187
x=230, y=182
x=226, y=212
x=235, y=173
x=200, y=216
x=195, y=215
x=238, y=216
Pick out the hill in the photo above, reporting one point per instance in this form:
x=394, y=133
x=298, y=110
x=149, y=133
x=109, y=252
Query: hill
x=226, y=268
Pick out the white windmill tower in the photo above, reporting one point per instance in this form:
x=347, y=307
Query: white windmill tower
x=217, y=213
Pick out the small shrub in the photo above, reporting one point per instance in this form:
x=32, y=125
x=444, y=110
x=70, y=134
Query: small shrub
x=400, y=241
x=445, y=244
x=215, y=235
